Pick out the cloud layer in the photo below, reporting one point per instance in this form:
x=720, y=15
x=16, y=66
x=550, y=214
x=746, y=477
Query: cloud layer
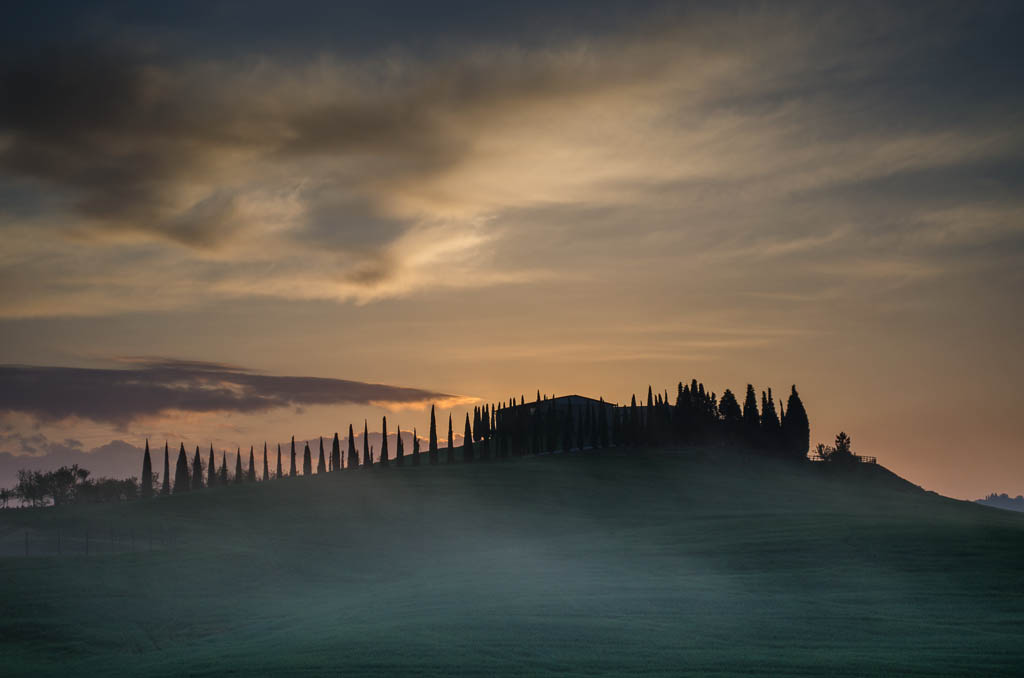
x=153, y=178
x=120, y=396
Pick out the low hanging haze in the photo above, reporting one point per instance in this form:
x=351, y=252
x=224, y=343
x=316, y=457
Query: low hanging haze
x=234, y=222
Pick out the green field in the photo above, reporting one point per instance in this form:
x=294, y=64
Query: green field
x=661, y=563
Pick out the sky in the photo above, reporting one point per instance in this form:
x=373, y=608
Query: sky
x=228, y=222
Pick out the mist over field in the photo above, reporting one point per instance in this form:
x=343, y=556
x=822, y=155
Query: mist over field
x=668, y=563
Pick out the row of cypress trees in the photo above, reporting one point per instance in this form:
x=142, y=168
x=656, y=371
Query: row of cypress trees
x=697, y=417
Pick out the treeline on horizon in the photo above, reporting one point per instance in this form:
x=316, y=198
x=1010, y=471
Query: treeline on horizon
x=497, y=431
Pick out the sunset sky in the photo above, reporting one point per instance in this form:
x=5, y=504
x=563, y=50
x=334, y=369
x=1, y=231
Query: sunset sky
x=456, y=203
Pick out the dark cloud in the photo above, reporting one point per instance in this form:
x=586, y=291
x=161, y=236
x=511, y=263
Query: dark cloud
x=118, y=396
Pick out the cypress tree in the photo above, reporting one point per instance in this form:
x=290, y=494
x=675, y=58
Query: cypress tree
x=751, y=418
x=294, y=471
x=147, y=474
x=239, y=474
x=211, y=471
x=266, y=463
x=367, y=457
x=280, y=471
x=634, y=422
x=321, y=464
x=399, y=447
x=467, y=443
x=307, y=461
x=197, y=471
x=796, y=428
x=165, y=489
x=432, y=449
x=384, y=442
x=181, y=479
x=353, y=458
x=451, y=442
x=223, y=477
x=415, y=448
x=250, y=477
x=336, y=453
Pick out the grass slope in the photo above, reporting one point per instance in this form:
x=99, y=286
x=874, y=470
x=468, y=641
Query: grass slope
x=703, y=563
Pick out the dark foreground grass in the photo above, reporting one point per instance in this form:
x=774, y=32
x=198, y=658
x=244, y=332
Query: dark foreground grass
x=650, y=564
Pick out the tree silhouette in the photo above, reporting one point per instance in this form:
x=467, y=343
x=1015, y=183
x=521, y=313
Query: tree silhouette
x=432, y=449
x=321, y=464
x=293, y=471
x=384, y=443
x=415, y=448
x=197, y=471
x=843, y=447
x=147, y=474
x=250, y=476
x=751, y=417
x=467, y=443
x=266, y=464
x=399, y=447
x=796, y=428
x=450, y=455
x=353, y=458
x=239, y=474
x=307, y=461
x=181, y=480
x=166, y=488
x=280, y=471
x=367, y=457
x=222, y=477
x=336, y=453
x=211, y=470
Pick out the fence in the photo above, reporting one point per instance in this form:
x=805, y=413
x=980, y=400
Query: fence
x=859, y=458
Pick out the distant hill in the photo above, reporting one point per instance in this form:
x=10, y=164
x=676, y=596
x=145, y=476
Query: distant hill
x=1003, y=501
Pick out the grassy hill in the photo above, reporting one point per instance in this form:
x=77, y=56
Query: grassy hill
x=657, y=563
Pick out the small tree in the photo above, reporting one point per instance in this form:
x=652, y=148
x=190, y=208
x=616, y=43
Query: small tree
x=353, y=457
x=280, y=473
x=181, y=480
x=450, y=456
x=415, y=448
x=266, y=463
x=367, y=457
x=239, y=474
x=307, y=461
x=843, y=445
x=211, y=470
x=166, y=488
x=432, y=449
x=336, y=453
x=223, y=477
x=294, y=470
x=321, y=464
x=399, y=447
x=197, y=471
x=250, y=476
x=147, y=475
x=467, y=443
x=384, y=442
